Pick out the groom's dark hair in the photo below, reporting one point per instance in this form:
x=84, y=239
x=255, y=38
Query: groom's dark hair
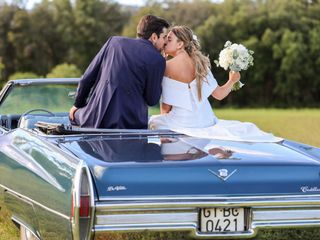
x=149, y=24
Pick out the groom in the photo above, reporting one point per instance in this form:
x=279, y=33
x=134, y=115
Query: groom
x=123, y=79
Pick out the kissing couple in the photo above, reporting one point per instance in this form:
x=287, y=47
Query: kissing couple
x=128, y=75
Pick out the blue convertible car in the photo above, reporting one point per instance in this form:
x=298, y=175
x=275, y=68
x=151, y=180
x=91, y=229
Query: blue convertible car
x=63, y=182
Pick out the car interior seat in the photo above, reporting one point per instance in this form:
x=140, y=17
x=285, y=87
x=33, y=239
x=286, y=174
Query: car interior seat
x=29, y=121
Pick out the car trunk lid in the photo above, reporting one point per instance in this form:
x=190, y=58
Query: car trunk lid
x=184, y=166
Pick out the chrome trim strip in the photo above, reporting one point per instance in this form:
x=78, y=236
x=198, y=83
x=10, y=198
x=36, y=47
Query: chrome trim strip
x=207, y=197
x=287, y=215
x=75, y=221
x=21, y=223
x=148, y=205
x=35, y=202
x=122, y=135
x=287, y=224
x=92, y=202
x=39, y=81
x=5, y=91
x=154, y=227
x=151, y=218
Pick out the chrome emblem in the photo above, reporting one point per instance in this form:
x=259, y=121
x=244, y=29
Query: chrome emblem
x=116, y=188
x=309, y=189
x=223, y=173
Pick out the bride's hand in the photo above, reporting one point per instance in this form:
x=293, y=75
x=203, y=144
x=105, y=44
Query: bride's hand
x=234, y=76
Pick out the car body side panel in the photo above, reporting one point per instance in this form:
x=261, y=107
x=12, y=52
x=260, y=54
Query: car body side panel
x=23, y=210
x=38, y=179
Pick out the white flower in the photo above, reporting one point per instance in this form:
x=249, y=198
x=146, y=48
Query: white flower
x=235, y=57
x=227, y=44
x=225, y=58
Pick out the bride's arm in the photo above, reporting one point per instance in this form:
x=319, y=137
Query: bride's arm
x=165, y=108
x=222, y=91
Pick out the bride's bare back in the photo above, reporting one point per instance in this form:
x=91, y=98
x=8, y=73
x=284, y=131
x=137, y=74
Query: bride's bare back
x=180, y=68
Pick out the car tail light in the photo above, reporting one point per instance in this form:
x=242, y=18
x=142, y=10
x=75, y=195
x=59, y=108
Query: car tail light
x=84, y=210
x=82, y=204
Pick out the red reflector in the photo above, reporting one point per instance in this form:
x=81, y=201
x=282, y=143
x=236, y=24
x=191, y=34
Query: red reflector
x=84, y=206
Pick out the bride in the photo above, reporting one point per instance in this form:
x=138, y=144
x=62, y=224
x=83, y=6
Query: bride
x=186, y=86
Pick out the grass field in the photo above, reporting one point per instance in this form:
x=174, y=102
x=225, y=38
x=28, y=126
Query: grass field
x=302, y=125
x=8, y=230
x=298, y=125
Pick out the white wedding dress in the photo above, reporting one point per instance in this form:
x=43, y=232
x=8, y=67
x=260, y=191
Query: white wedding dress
x=196, y=118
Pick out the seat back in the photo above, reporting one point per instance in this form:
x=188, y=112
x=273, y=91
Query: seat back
x=29, y=121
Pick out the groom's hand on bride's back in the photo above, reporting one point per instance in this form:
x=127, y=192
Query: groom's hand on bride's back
x=234, y=76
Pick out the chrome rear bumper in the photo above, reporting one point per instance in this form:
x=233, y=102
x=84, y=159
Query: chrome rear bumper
x=177, y=214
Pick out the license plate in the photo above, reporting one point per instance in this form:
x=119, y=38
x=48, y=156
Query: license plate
x=222, y=220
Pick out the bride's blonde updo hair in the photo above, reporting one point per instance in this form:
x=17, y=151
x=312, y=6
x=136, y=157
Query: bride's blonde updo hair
x=192, y=47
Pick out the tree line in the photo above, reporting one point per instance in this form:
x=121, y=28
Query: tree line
x=284, y=34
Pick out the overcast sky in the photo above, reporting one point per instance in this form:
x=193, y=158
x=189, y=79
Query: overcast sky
x=30, y=3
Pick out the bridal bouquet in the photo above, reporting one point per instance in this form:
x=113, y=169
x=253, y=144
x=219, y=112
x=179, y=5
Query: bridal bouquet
x=235, y=57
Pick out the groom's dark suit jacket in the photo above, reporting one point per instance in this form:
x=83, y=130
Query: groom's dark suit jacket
x=119, y=84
